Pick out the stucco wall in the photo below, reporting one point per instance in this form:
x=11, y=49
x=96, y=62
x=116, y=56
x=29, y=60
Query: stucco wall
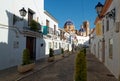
x=12, y=42
x=51, y=22
x=83, y=40
x=114, y=63
x=11, y=55
x=40, y=48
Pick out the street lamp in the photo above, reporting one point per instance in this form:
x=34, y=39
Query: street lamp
x=110, y=14
x=98, y=8
x=23, y=12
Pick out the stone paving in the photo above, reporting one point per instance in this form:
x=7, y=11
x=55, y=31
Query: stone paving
x=96, y=71
x=11, y=74
x=62, y=69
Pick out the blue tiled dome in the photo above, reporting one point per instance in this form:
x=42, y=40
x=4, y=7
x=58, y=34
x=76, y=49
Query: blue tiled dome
x=81, y=30
x=68, y=23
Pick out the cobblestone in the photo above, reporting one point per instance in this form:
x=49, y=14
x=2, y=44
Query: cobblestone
x=96, y=70
x=62, y=70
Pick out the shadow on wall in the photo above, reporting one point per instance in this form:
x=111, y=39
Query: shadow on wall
x=4, y=55
x=9, y=45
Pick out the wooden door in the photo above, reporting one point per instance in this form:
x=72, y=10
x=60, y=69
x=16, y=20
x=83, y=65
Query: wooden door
x=31, y=45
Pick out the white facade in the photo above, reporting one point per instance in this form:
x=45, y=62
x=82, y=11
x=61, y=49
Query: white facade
x=113, y=63
x=52, y=40
x=107, y=46
x=13, y=36
x=83, y=40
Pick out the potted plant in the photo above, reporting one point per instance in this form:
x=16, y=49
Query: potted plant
x=27, y=63
x=80, y=67
x=62, y=51
x=34, y=25
x=51, y=55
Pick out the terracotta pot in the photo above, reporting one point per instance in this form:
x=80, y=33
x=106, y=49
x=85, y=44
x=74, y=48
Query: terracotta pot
x=25, y=68
x=51, y=59
x=63, y=55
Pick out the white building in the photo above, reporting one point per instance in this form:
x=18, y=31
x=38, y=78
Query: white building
x=15, y=33
x=93, y=41
x=51, y=33
x=83, y=40
x=107, y=45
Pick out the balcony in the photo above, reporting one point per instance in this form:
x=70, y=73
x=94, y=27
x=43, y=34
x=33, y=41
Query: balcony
x=34, y=30
x=50, y=31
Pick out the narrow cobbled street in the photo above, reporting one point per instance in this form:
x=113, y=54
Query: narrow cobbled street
x=62, y=70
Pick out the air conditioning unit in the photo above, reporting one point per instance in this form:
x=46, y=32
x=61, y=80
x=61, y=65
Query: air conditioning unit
x=117, y=27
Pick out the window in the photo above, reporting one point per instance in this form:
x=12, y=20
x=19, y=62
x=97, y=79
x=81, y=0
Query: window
x=30, y=15
x=59, y=45
x=54, y=29
x=47, y=23
x=56, y=45
x=110, y=48
x=107, y=29
x=98, y=49
x=103, y=27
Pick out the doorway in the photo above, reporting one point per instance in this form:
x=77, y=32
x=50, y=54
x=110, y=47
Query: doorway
x=31, y=45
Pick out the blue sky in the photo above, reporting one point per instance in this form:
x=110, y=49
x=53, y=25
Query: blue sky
x=75, y=10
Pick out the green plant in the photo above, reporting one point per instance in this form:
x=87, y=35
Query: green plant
x=51, y=53
x=33, y=25
x=26, y=57
x=83, y=50
x=62, y=50
x=80, y=67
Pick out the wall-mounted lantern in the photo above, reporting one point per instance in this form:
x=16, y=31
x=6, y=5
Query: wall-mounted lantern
x=99, y=8
x=110, y=14
x=23, y=12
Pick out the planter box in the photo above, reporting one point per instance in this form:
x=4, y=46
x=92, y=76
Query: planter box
x=25, y=68
x=51, y=59
x=63, y=55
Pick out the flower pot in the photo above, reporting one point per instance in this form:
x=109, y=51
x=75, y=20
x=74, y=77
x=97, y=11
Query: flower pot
x=51, y=59
x=25, y=68
x=63, y=55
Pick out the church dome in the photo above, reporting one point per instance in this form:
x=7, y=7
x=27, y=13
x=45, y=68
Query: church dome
x=68, y=23
x=69, y=26
x=81, y=30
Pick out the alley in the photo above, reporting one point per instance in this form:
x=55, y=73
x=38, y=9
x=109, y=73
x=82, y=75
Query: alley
x=63, y=70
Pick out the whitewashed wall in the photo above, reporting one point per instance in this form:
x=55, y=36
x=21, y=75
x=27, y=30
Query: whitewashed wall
x=52, y=22
x=10, y=55
x=83, y=40
x=114, y=63
x=40, y=48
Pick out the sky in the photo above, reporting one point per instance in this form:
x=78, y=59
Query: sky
x=77, y=11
